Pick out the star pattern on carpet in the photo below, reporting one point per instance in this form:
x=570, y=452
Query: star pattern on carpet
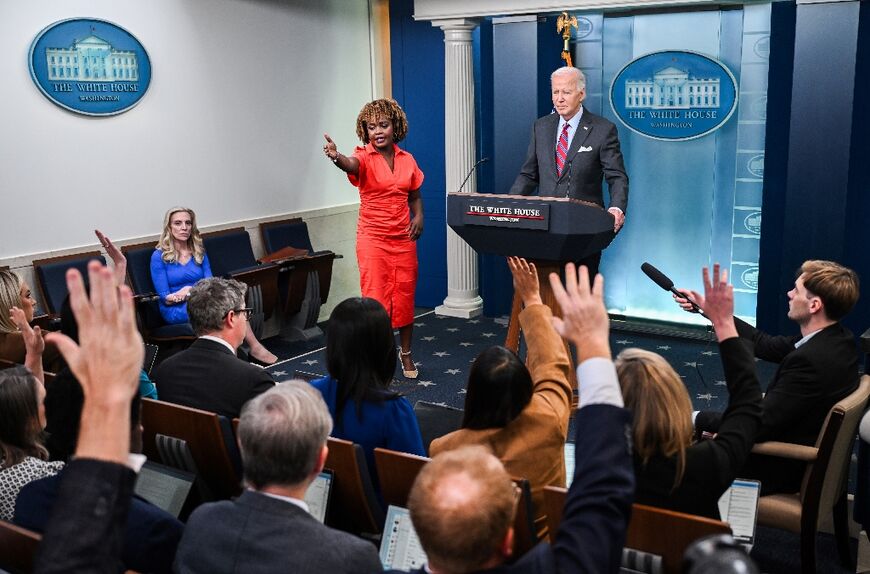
x=721, y=384
x=450, y=345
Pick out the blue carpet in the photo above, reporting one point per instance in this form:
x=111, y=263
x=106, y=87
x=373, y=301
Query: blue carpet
x=444, y=348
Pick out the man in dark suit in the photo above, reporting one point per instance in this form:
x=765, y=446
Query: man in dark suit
x=572, y=152
x=816, y=369
x=208, y=375
x=282, y=435
x=462, y=503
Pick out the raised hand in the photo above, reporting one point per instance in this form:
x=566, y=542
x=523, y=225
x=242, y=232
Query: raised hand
x=526, y=283
x=584, y=318
x=118, y=258
x=719, y=302
x=34, y=344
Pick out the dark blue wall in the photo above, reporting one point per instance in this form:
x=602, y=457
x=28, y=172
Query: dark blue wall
x=816, y=172
x=418, y=85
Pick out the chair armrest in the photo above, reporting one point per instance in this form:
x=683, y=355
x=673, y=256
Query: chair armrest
x=145, y=298
x=786, y=450
x=48, y=322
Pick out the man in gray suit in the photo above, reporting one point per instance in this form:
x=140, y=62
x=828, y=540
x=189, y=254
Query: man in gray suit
x=282, y=435
x=572, y=152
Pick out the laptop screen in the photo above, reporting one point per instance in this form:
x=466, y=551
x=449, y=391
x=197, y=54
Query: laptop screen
x=317, y=495
x=400, y=547
x=164, y=486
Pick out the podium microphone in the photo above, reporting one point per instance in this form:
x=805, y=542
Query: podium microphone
x=665, y=283
x=474, y=167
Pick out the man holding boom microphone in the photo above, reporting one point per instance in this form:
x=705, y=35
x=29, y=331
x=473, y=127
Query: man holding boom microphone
x=816, y=369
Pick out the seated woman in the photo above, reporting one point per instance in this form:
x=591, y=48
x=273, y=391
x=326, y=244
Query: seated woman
x=178, y=262
x=361, y=359
x=521, y=413
x=16, y=293
x=22, y=421
x=672, y=471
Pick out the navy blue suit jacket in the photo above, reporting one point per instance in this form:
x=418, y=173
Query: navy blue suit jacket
x=151, y=535
x=598, y=506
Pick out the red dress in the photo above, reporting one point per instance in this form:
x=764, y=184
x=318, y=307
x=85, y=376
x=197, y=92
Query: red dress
x=387, y=256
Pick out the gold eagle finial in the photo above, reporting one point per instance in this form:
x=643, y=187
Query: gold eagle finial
x=564, y=23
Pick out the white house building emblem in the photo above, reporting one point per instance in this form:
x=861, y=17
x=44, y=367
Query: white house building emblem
x=674, y=95
x=90, y=66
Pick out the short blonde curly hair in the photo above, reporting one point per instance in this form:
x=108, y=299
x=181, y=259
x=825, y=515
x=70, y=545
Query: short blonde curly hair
x=387, y=108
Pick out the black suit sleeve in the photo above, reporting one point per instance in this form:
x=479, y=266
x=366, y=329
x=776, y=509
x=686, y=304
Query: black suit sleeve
x=727, y=453
x=86, y=530
x=773, y=348
x=527, y=180
x=795, y=394
x=614, y=170
x=263, y=383
x=598, y=507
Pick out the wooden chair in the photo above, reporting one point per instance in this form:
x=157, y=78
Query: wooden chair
x=823, y=489
x=50, y=276
x=355, y=507
x=396, y=474
x=17, y=548
x=209, y=439
x=398, y=470
x=665, y=533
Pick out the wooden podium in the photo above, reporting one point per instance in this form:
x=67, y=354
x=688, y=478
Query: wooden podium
x=548, y=231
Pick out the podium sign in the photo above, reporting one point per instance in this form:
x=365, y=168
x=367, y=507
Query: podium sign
x=554, y=229
x=497, y=212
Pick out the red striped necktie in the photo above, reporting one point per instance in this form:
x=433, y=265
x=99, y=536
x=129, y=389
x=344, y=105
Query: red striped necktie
x=562, y=150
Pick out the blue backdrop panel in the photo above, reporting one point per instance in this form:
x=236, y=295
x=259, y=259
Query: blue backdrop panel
x=418, y=85
x=683, y=199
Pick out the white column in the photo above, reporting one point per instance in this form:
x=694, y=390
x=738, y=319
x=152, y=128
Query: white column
x=462, y=285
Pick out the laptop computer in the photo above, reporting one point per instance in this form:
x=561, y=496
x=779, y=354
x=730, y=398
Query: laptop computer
x=318, y=494
x=164, y=486
x=400, y=547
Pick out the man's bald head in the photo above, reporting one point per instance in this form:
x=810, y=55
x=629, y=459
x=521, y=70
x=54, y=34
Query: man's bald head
x=462, y=506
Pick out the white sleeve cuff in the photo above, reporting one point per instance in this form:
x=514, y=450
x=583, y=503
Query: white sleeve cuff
x=597, y=383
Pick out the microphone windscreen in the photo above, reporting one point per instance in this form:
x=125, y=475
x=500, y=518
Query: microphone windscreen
x=657, y=276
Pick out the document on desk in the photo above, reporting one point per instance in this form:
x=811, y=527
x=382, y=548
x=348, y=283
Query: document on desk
x=739, y=508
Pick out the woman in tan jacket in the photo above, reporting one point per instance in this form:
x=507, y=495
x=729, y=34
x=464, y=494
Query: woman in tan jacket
x=521, y=413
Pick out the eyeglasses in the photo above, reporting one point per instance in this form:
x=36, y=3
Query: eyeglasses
x=246, y=311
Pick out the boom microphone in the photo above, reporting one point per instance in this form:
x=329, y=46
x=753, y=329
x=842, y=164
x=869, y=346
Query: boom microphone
x=665, y=283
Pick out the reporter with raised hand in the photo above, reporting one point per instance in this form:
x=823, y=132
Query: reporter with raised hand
x=85, y=532
x=673, y=471
x=598, y=506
